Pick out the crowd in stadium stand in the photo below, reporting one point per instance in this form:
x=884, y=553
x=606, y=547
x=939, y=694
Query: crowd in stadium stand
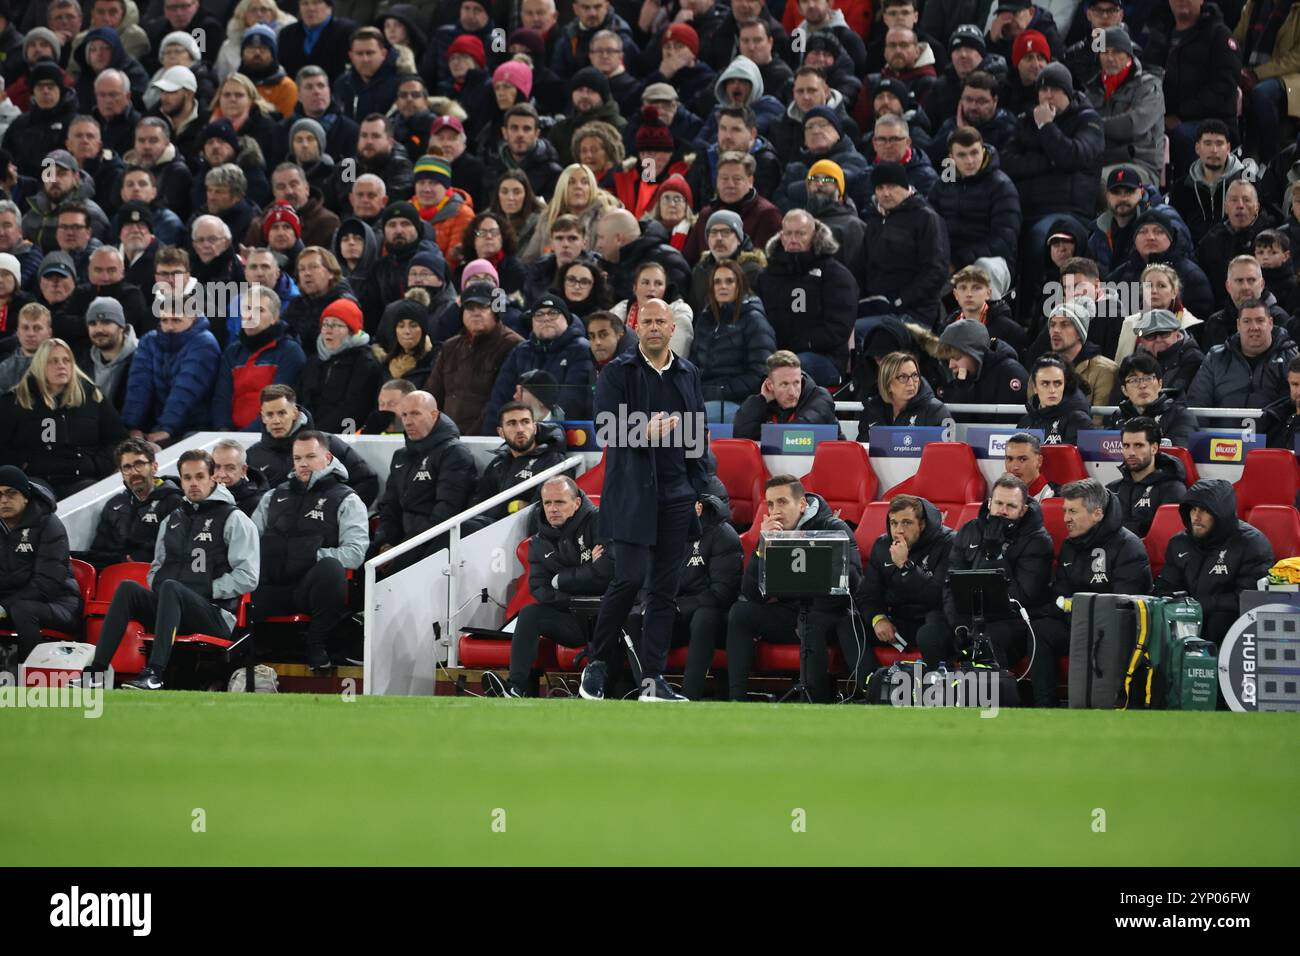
x=443, y=218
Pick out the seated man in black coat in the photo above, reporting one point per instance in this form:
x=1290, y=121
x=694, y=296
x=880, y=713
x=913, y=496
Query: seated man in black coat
x=1148, y=478
x=37, y=588
x=230, y=468
x=129, y=522
x=565, y=559
x=1281, y=420
x=526, y=452
x=1008, y=535
x=788, y=396
x=1100, y=556
x=754, y=615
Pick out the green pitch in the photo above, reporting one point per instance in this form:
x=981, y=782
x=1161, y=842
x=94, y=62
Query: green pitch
x=297, y=779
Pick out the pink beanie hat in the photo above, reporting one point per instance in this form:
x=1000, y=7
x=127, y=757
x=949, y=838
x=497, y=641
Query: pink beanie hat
x=517, y=74
x=478, y=267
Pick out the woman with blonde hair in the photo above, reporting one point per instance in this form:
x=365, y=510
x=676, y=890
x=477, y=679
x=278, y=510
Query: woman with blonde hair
x=56, y=424
x=250, y=113
x=1161, y=289
x=247, y=13
x=576, y=194
x=903, y=397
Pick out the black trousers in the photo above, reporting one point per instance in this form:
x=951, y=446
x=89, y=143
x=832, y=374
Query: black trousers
x=1216, y=626
x=322, y=593
x=172, y=609
x=28, y=617
x=534, y=621
x=1009, y=640
x=861, y=659
x=1052, y=639
x=657, y=569
x=779, y=623
x=702, y=632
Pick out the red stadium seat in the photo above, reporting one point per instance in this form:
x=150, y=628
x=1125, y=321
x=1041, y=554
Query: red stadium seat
x=110, y=578
x=1189, y=465
x=969, y=512
x=1167, y=523
x=222, y=644
x=1054, y=521
x=772, y=658
x=1271, y=477
x=489, y=652
x=129, y=657
x=592, y=480
x=1281, y=525
x=949, y=477
x=742, y=471
x=677, y=660
x=889, y=656
x=842, y=474
x=749, y=540
x=1063, y=464
x=875, y=522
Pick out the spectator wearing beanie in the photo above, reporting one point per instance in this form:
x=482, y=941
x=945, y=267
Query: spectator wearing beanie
x=259, y=55
x=447, y=211
x=411, y=353
x=340, y=383
x=656, y=151
x=1029, y=55
x=516, y=81
x=282, y=233
x=402, y=235
x=824, y=138
x=680, y=65
x=466, y=80
x=1014, y=18
x=671, y=208
x=590, y=101
x=43, y=128
x=473, y=23
x=983, y=372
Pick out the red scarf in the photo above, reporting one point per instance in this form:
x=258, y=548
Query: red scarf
x=1112, y=83
x=631, y=315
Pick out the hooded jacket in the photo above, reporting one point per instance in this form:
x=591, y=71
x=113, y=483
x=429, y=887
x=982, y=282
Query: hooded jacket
x=1139, y=500
x=128, y=527
x=272, y=458
x=714, y=562
x=234, y=565
x=567, y=358
x=430, y=481
x=170, y=386
x=731, y=352
x=1281, y=423
x=462, y=376
x=923, y=411
x=34, y=135
x=826, y=291
x=817, y=517
x=1057, y=168
x=111, y=377
x=906, y=257
x=767, y=109
x=1133, y=119
x=248, y=365
x=1228, y=379
x=369, y=250
x=1196, y=292
x=1175, y=421
x=910, y=594
x=1201, y=203
x=1107, y=559
x=386, y=281
x=1000, y=379
x=1060, y=423
x=506, y=469
x=341, y=389
x=815, y=407
x=34, y=559
x=1022, y=549
x=563, y=555
x=301, y=524
x=703, y=176
x=1215, y=569
x=135, y=73
x=1111, y=244
x=982, y=213
x=41, y=218
x=64, y=446
x=996, y=133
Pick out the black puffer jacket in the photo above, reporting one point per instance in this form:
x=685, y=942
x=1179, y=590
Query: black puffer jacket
x=908, y=594
x=1175, y=421
x=79, y=448
x=566, y=552
x=1180, y=364
x=982, y=213
x=1060, y=423
x=923, y=411
x=1222, y=244
x=272, y=458
x=818, y=517
x=36, y=133
x=341, y=390
x=431, y=480
x=815, y=407
x=128, y=527
x=732, y=354
x=1001, y=380
x=506, y=470
x=652, y=246
x=810, y=298
x=1197, y=293
x=714, y=564
x=34, y=558
x=905, y=257
x=1281, y=423
x=1057, y=168
x=1230, y=559
x=1201, y=68
x=1108, y=559
x=1021, y=548
x=1228, y=379
x=1139, y=500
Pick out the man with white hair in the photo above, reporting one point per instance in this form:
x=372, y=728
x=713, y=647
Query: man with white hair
x=107, y=274
x=116, y=116
x=218, y=271
x=368, y=198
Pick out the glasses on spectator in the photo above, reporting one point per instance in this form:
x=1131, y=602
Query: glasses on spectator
x=1137, y=381
x=902, y=378
x=580, y=281
x=890, y=139
x=140, y=464
x=9, y=494
x=718, y=232
x=488, y=233
x=336, y=326
x=550, y=314
x=821, y=181
x=675, y=199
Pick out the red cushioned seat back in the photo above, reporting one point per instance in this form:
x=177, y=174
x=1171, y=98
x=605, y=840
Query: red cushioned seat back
x=842, y=474
x=592, y=480
x=1063, y=464
x=1189, y=465
x=1054, y=521
x=949, y=476
x=1167, y=523
x=1281, y=525
x=969, y=512
x=1271, y=477
x=875, y=522
x=520, y=597
x=742, y=471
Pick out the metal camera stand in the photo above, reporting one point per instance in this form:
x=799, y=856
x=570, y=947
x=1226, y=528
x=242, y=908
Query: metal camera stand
x=800, y=689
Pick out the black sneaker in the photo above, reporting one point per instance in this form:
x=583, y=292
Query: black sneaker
x=656, y=689
x=145, y=680
x=90, y=679
x=318, y=659
x=592, y=685
x=494, y=686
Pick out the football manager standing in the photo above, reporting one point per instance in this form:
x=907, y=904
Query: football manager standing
x=650, y=415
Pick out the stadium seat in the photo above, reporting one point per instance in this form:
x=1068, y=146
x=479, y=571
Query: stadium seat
x=592, y=480
x=1167, y=523
x=1281, y=525
x=1063, y=464
x=677, y=660
x=875, y=522
x=1271, y=477
x=842, y=474
x=85, y=577
x=129, y=657
x=110, y=578
x=772, y=658
x=969, y=512
x=749, y=540
x=1189, y=465
x=742, y=471
x=889, y=656
x=1054, y=521
x=490, y=652
x=949, y=476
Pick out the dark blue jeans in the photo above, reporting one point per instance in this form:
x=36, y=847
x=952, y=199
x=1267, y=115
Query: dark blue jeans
x=1267, y=108
x=821, y=369
x=658, y=569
